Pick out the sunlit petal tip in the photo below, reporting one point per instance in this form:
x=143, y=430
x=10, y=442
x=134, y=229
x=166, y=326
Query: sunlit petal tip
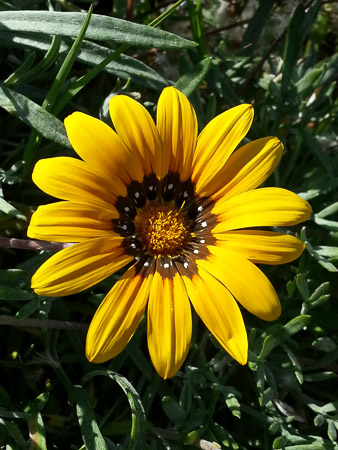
x=238, y=349
x=94, y=355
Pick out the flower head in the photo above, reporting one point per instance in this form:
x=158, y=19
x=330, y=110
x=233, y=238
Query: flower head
x=182, y=208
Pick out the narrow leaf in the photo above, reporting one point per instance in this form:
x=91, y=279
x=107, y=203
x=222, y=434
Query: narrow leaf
x=139, y=424
x=292, y=45
x=37, y=432
x=255, y=27
x=33, y=115
x=91, y=433
x=101, y=28
x=8, y=209
x=190, y=81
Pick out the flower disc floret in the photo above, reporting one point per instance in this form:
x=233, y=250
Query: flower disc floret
x=162, y=229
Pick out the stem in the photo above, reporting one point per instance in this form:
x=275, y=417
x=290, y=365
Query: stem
x=37, y=323
x=32, y=244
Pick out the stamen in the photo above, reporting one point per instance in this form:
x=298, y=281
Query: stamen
x=162, y=229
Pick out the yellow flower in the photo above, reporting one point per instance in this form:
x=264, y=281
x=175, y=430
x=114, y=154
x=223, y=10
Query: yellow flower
x=181, y=207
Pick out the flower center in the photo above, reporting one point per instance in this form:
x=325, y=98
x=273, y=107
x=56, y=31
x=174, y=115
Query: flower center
x=162, y=229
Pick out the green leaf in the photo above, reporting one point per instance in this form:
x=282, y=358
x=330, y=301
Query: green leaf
x=139, y=424
x=196, y=24
x=293, y=45
x=234, y=405
x=28, y=309
x=33, y=115
x=101, y=28
x=92, y=54
x=331, y=430
x=302, y=286
x=332, y=209
x=269, y=344
x=319, y=376
x=314, y=146
x=297, y=324
x=91, y=433
x=327, y=251
x=24, y=68
x=325, y=344
x=173, y=410
x=307, y=84
x=14, y=432
x=310, y=17
x=48, y=59
x=123, y=66
x=295, y=364
x=67, y=64
x=37, y=432
x=190, y=81
x=14, y=294
x=321, y=290
x=8, y=209
x=255, y=27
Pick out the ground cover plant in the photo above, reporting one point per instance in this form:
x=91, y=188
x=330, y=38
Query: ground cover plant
x=60, y=57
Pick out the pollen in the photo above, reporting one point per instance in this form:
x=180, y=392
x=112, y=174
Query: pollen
x=162, y=229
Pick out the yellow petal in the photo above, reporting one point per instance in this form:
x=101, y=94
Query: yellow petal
x=117, y=317
x=137, y=129
x=245, y=281
x=261, y=247
x=261, y=208
x=247, y=168
x=80, y=266
x=72, y=179
x=217, y=141
x=71, y=222
x=169, y=324
x=98, y=144
x=219, y=311
x=177, y=126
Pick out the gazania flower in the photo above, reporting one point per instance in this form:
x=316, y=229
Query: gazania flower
x=181, y=209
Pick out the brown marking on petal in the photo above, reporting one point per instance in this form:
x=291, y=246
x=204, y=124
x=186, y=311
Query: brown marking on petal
x=132, y=246
x=145, y=266
x=205, y=224
x=136, y=194
x=165, y=267
x=186, y=266
x=123, y=226
x=125, y=207
x=151, y=186
x=170, y=185
x=186, y=195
